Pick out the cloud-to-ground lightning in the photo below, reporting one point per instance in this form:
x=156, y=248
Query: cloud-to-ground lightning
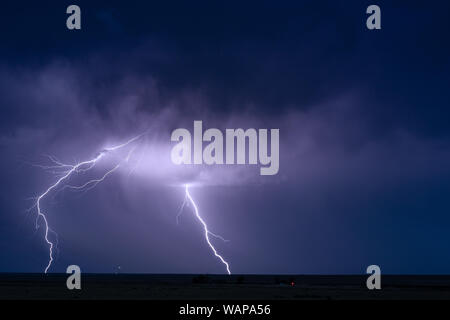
x=64, y=173
x=205, y=227
x=79, y=167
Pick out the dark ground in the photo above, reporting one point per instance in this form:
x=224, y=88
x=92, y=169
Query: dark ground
x=217, y=287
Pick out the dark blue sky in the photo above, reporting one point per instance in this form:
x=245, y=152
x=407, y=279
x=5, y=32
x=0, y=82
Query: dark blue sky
x=363, y=118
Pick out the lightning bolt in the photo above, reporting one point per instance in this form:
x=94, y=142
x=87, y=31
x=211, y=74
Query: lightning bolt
x=71, y=169
x=65, y=171
x=205, y=228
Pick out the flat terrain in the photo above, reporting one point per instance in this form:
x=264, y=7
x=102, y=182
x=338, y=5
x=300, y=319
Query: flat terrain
x=216, y=287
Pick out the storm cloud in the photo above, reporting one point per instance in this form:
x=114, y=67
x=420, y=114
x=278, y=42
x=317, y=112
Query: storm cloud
x=364, y=147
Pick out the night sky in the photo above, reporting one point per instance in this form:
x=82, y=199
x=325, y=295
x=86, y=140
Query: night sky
x=364, y=135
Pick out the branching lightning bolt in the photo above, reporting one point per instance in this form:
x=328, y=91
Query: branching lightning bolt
x=64, y=173
x=205, y=227
x=80, y=167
